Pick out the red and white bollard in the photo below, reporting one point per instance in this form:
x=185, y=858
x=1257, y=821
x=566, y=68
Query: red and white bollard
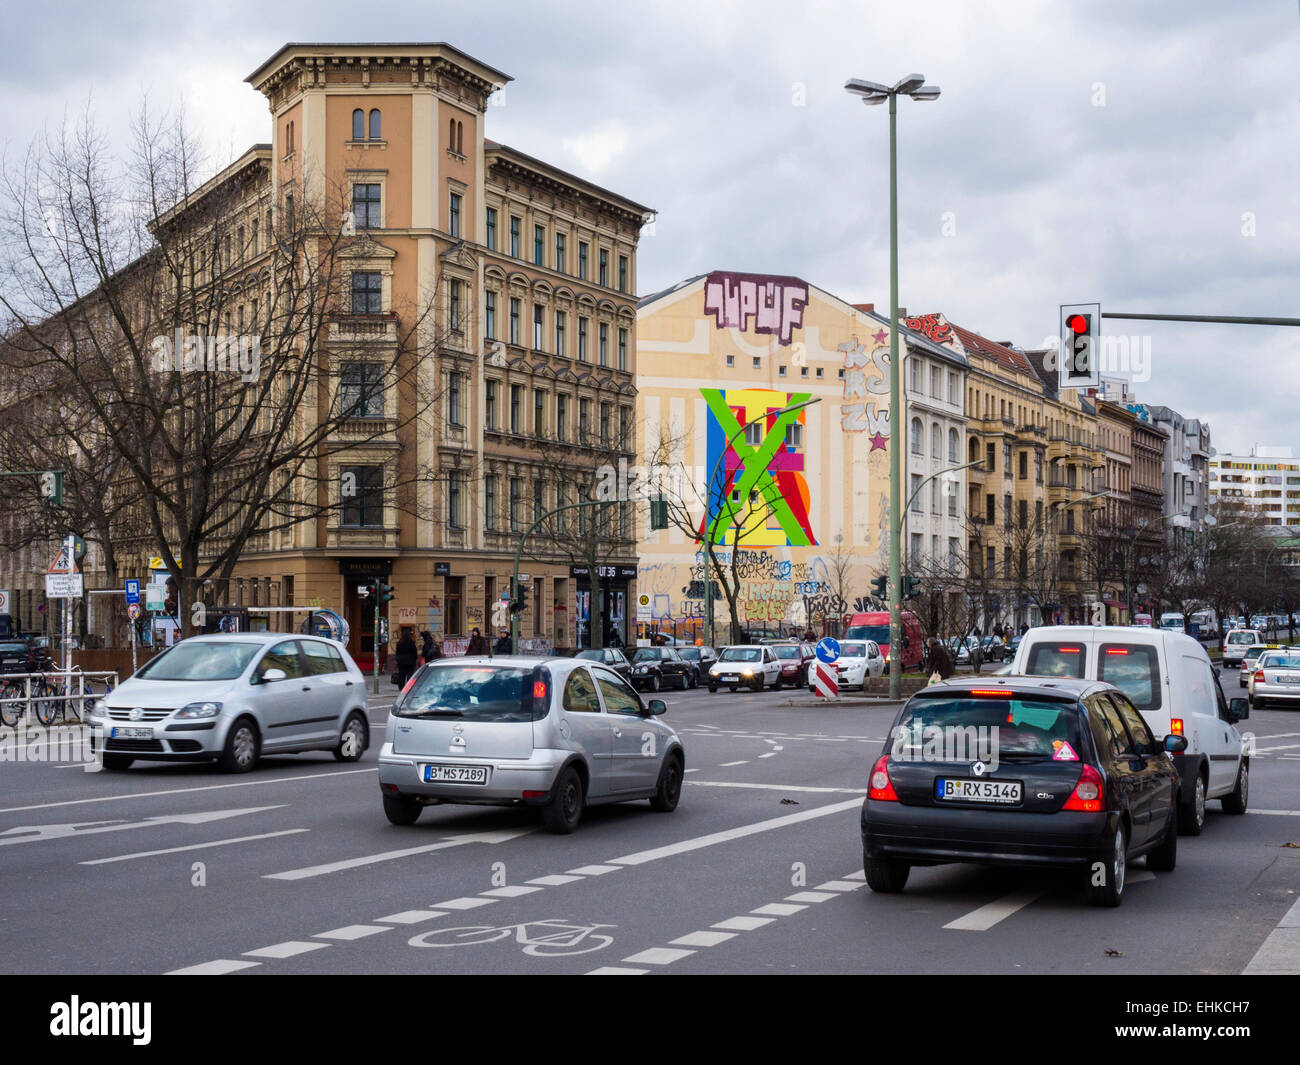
x=826, y=683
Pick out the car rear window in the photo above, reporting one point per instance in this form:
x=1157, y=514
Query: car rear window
x=1235, y=638
x=1056, y=660
x=476, y=693
x=1134, y=669
x=1014, y=724
x=853, y=650
x=1273, y=660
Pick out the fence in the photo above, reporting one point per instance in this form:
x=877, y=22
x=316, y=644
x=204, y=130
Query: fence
x=52, y=694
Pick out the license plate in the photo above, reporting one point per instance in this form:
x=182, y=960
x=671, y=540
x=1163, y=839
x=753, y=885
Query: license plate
x=456, y=774
x=731, y=676
x=992, y=791
x=1283, y=678
x=131, y=733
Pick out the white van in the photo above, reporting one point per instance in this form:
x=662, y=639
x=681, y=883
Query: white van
x=1170, y=679
x=1172, y=622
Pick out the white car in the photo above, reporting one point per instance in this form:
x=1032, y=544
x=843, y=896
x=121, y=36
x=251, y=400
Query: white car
x=748, y=665
x=859, y=660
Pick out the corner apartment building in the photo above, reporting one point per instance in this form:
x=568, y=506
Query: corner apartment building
x=1186, y=466
x=1265, y=479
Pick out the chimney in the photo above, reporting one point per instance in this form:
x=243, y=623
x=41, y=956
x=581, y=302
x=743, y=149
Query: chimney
x=864, y=307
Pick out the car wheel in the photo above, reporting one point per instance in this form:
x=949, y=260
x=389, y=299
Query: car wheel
x=683, y=681
x=713, y=689
x=885, y=876
x=1191, y=815
x=561, y=813
x=117, y=761
x=402, y=809
x=1112, y=872
x=758, y=683
x=1165, y=856
x=353, y=740
x=240, y=752
x=777, y=684
x=654, y=683
x=1235, y=803
x=692, y=680
x=669, y=791
x=732, y=688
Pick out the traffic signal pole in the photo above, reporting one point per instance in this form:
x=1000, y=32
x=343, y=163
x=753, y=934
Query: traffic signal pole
x=375, y=664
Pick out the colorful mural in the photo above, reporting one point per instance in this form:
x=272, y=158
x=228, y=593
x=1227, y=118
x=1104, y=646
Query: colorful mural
x=772, y=467
x=776, y=304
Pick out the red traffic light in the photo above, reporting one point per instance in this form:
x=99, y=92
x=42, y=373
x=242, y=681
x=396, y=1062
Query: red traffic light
x=1076, y=323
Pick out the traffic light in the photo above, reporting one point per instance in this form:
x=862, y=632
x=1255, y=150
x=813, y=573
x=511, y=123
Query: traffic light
x=658, y=514
x=911, y=587
x=1080, y=364
x=383, y=592
x=520, y=603
x=880, y=586
x=52, y=486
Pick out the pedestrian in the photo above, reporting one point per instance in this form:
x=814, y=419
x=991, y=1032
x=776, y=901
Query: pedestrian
x=615, y=640
x=478, y=644
x=428, y=650
x=504, y=645
x=940, y=660
x=809, y=636
x=406, y=658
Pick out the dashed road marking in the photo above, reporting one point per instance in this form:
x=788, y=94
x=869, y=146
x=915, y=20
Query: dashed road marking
x=810, y=896
x=469, y=902
x=742, y=924
x=555, y=880
x=986, y=916
x=594, y=870
x=412, y=916
x=777, y=909
x=350, y=932
x=616, y=970
x=214, y=968
x=511, y=891
x=192, y=847
x=658, y=956
x=702, y=939
x=290, y=949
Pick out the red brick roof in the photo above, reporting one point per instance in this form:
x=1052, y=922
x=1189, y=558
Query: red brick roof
x=1012, y=360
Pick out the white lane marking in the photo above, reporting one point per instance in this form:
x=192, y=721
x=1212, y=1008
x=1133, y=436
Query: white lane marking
x=810, y=896
x=702, y=939
x=1279, y=954
x=1276, y=813
x=615, y=970
x=743, y=924
x=1276, y=736
x=511, y=891
x=187, y=791
x=214, y=968
x=1140, y=876
x=411, y=916
x=555, y=880
x=778, y=747
x=726, y=836
x=728, y=765
x=594, y=870
x=352, y=931
x=695, y=770
x=770, y=754
x=41, y=833
x=658, y=956
x=469, y=902
x=1279, y=747
x=290, y=949
x=838, y=885
x=859, y=875
x=984, y=918
x=194, y=847
x=775, y=787
x=387, y=856
x=777, y=909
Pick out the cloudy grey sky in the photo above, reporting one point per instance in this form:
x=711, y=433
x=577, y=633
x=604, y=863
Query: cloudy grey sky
x=1143, y=154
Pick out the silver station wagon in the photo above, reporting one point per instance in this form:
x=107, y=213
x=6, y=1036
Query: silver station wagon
x=558, y=734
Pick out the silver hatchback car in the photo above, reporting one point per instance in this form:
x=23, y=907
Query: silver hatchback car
x=230, y=698
x=558, y=733
x=1276, y=679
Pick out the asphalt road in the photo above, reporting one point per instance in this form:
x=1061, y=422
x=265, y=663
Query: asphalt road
x=294, y=869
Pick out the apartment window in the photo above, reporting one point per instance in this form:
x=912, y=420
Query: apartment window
x=622, y=349
x=490, y=502
x=604, y=267
x=952, y=500
x=624, y=422
x=603, y=346
x=375, y=130
x=560, y=264
x=914, y=375
x=453, y=501
x=490, y=314
x=539, y=498
x=1024, y=465
x=1006, y=511
x=731, y=360
x=934, y=499
x=537, y=327
x=514, y=504
x=916, y=496
x=990, y=452
x=539, y=243
x=582, y=339
x=514, y=236
x=455, y=300
x=288, y=211
x=492, y=229
x=584, y=421
x=622, y=273
x=936, y=441
x=358, y=125
x=936, y=382
x=754, y=434
x=1038, y=466
x=453, y=215
x=453, y=398
x=582, y=259
x=954, y=549
x=990, y=561
x=367, y=292
x=490, y=404
x=365, y=205
x=1023, y=508
x=954, y=394
x=559, y=333
x=514, y=321
x=239, y=242
x=1006, y=460
x=953, y=445
x=362, y=496
x=562, y=418
x=990, y=508
x=794, y=435
x=361, y=390
x=916, y=437
x=516, y=405
x=606, y=412
x=252, y=247
x=916, y=546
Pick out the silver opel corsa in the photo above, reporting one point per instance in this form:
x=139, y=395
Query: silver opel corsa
x=557, y=733
x=231, y=698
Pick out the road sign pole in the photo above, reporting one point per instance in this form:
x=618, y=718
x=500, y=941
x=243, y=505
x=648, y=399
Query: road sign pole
x=69, y=546
x=375, y=664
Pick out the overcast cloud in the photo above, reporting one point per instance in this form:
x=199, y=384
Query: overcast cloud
x=730, y=120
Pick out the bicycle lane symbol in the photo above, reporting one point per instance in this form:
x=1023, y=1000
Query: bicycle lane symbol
x=541, y=939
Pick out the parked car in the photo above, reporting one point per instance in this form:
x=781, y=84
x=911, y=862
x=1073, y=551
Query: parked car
x=1276, y=679
x=993, y=648
x=233, y=698
x=1076, y=778
x=1235, y=643
x=859, y=660
x=702, y=658
x=1169, y=677
x=749, y=665
x=609, y=656
x=655, y=667
x=795, y=659
x=874, y=625
x=559, y=734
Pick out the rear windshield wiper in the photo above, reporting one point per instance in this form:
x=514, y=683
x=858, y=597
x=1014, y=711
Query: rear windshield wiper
x=433, y=711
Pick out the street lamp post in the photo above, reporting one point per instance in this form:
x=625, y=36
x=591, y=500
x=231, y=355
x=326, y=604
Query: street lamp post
x=871, y=94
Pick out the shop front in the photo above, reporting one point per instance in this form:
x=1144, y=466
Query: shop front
x=613, y=581
x=359, y=610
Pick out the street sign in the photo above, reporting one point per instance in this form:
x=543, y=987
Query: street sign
x=825, y=680
x=5, y=596
x=78, y=549
x=828, y=650
x=133, y=611
x=132, y=592
x=64, y=586
x=154, y=596
x=643, y=607
x=64, y=561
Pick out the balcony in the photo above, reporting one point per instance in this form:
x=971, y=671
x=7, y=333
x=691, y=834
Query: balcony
x=362, y=329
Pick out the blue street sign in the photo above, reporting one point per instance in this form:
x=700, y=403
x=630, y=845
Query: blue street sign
x=828, y=649
x=132, y=593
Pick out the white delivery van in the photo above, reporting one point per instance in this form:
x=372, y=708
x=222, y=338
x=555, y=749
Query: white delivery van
x=1170, y=679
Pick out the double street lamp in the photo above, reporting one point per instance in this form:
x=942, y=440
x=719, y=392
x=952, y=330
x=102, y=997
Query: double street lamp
x=871, y=94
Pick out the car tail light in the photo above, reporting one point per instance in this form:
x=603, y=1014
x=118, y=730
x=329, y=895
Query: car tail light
x=996, y=693
x=1117, y=650
x=881, y=787
x=407, y=687
x=1087, y=793
x=1176, y=726
x=1259, y=676
x=535, y=794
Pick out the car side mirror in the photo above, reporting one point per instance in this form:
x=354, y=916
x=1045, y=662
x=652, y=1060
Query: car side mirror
x=273, y=674
x=1238, y=710
x=1178, y=744
x=657, y=707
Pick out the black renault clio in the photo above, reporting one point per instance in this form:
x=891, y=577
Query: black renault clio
x=1021, y=771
